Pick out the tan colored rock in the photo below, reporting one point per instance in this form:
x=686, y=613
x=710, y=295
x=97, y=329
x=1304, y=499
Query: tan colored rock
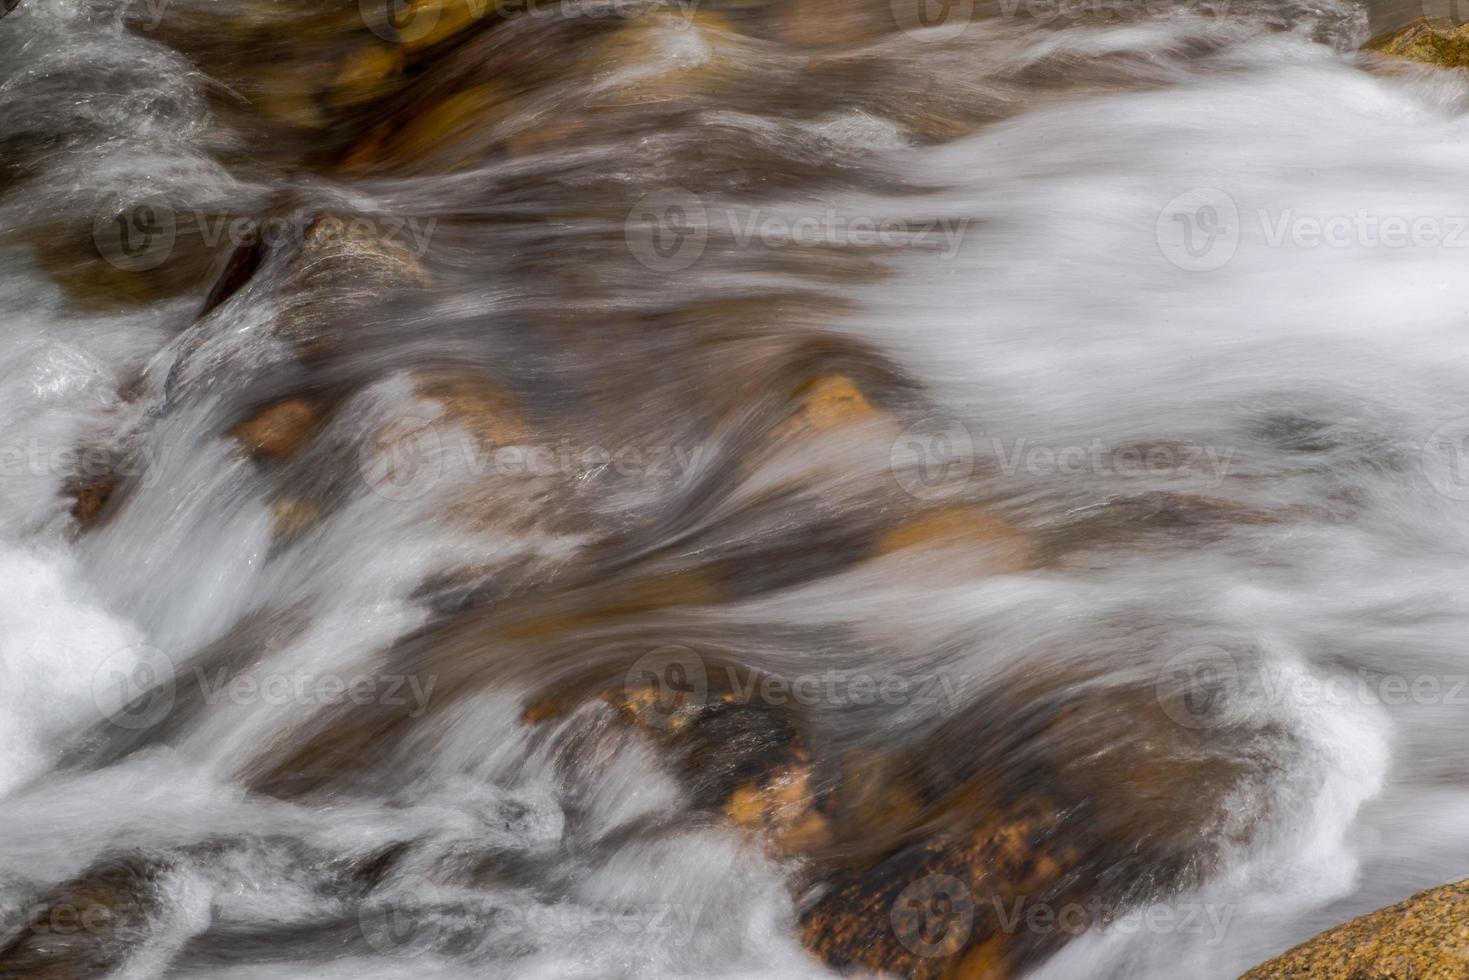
x=280, y=431
x=344, y=267
x=366, y=74
x=1431, y=41
x=431, y=22
x=1001, y=546
x=292, y=515
x=819, y=23
x=1425, y=937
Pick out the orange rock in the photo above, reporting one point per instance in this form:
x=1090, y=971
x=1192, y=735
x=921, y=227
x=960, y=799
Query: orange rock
x=782, y=808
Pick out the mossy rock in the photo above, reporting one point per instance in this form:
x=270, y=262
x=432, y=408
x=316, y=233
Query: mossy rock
x=1423, y=938
x=1432, y=41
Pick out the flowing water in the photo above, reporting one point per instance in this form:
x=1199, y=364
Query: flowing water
x=1172, y=294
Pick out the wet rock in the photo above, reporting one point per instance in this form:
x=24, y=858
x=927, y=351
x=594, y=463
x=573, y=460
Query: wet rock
x=826, y=403
x=87, y=927
x=822, y=23
x=292, y=516
x=1425, y=937
x=1432, y=41
x=365, y=75
x=995, y=545
x=279, y=432
x=344, y=267
x=1153, y=520
x=92, y=497
x=431, y=22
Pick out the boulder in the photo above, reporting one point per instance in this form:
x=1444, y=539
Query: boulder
x=1425, y=937
x=1432, y=41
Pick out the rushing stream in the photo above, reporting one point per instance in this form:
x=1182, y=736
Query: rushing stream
x=590, y=504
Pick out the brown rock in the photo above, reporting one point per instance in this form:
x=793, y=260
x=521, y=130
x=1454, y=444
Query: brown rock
x=1425, y=937
x=344, y=267
x=818, y=23
x=280, y=431
x=87, y=927
x=92, y=498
